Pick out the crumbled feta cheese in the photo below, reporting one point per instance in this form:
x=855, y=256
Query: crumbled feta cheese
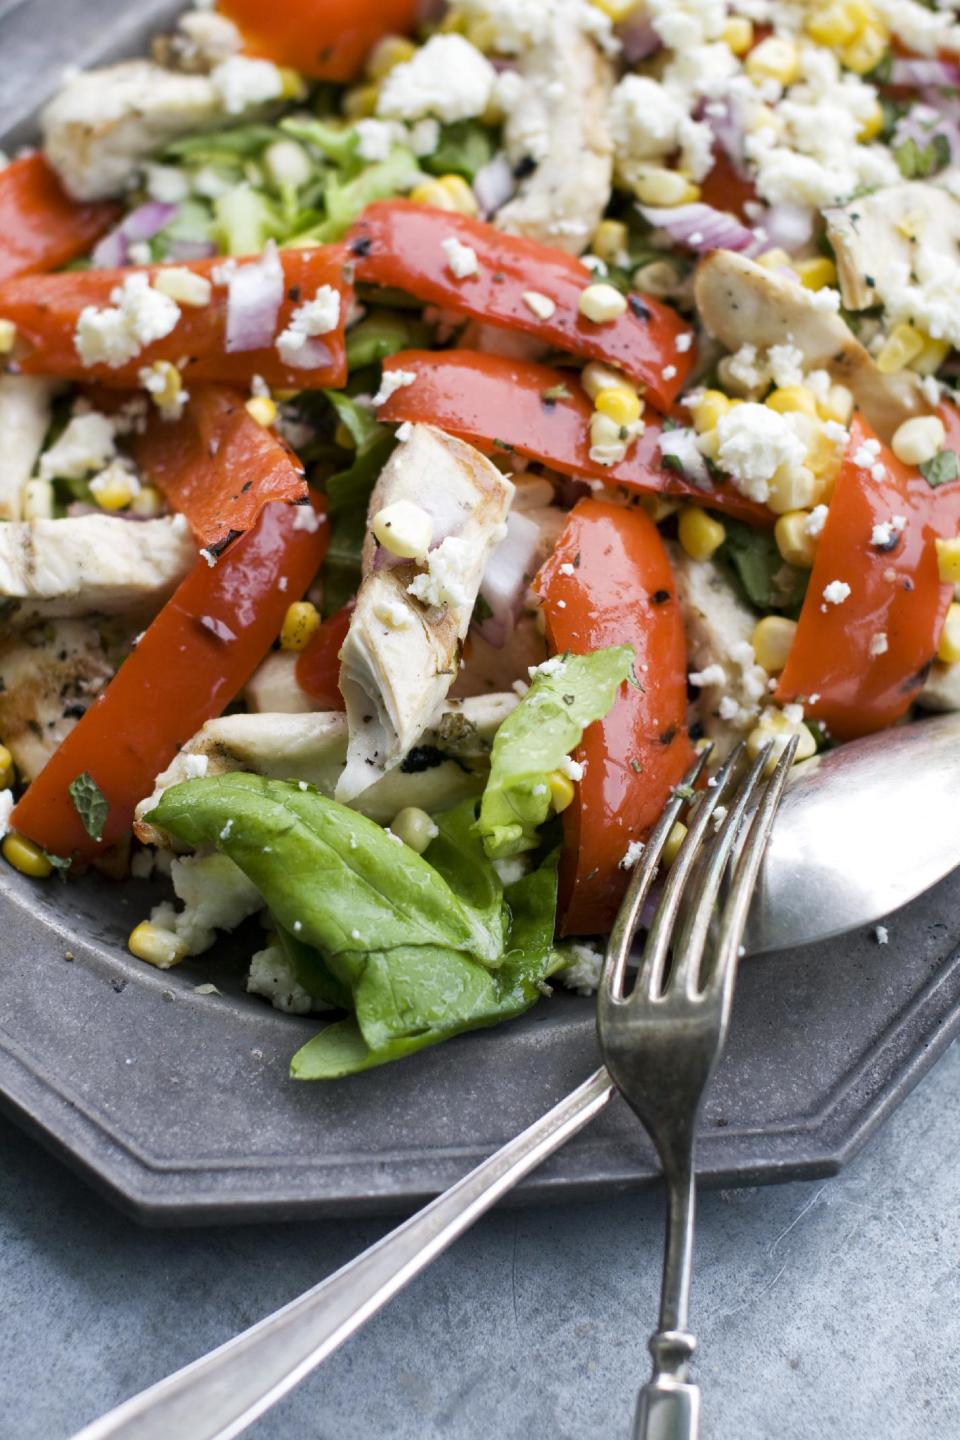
x=681, y=445
x=668, y=372
x=442, y=584
x=879, y=645
x=183, y=286
x=448, y=78
x=116, y=334
x=511, y=870
x=166, y=183
x=272, y=976
x=424, y=136
x=793, y=714
x=6, y=809
x=306, y=518
x=216, y=895
x=684, y=342
x=884, y=535
x=376, y=138
x=392, y=613
x=243, y=83
x=86, y=444
x=786, y=365
x=541, y=305
x=573, y=769
x=461, y=259
x=815, y=521
x=567, y=568
x=555, y=665
x=881, y=934
x=754, y=441
x=584, y=969
x=631, y=855
x=712, y=675
x=318, y=316
x=195, y=766
x=648, y=123
x=391, y=381
x=836, y=592
x=404, y=431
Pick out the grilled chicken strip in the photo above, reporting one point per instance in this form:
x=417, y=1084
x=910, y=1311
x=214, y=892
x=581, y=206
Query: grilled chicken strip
x=402, y=654
x=449, y=764
x=104, y=123
x=91, y=564
x=48, y=677
x=560, y=123
x=744, y=304
x=24, y=420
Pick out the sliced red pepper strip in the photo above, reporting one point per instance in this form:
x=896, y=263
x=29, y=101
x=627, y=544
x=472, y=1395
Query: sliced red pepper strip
x=45, y=310
x=318, y=666
x=398, y=243
x=543, y=413
x=41, y=228
x=895, y=593
x=609, y=582
x=325, y=39
x=216, y=465
x=192, y=660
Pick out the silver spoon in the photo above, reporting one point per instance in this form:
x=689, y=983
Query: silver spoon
x=861, y=830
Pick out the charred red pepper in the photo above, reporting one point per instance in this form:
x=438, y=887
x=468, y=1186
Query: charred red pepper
x=192, y=660
x=318, y=666
x=45, y=310
x=866, y=658
x=609, y=582
x=400, y=244
x=41, y=228
x=325, y=39
x=541, y=412
x=216, y=465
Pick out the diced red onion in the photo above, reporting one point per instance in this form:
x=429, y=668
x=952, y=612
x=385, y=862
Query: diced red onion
x=254, y=297
x=637, y=37
x=494, y=184
x=727, y=132
x=509, y=571
x=701, y=227
x=141, y=224
x=906, y=71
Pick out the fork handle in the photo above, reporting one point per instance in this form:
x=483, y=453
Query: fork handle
x=668, y=1407
x=219, y=1395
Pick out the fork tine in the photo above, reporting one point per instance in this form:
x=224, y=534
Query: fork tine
x=625, y=924
x=658, y=940
x=701, y=893
x=745, y=878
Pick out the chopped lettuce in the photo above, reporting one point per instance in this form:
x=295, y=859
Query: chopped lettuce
x=568, y=693
x=345, y=201
x=463, y=149
x=419, y=948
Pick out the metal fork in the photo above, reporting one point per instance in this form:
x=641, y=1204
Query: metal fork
x=219, y=1395
x=661, y=1042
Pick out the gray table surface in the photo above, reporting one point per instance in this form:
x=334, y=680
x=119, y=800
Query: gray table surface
x=824, y=1309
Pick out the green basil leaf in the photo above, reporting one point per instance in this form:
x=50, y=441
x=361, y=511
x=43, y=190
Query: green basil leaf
x=90, y=804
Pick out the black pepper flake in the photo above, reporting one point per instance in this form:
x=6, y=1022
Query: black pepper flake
x=294, y=293
x=74, y=712
x=420, y=758
x=524, y=168
x=660, y=597
x=119, y=984
x=498, y=277
x=668, y=736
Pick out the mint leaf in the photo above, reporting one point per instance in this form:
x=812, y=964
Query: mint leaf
x=90, y=804
x=944, y=466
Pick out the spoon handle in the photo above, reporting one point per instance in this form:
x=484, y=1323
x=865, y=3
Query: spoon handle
x=219, y=1395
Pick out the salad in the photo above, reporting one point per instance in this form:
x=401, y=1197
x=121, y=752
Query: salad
x=423, y=425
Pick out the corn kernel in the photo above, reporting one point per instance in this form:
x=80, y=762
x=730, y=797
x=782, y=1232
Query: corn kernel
x=7, y=773
x=391, y=51
x=659, y=278
x=948, y=647
x=775, y=726
x=37, y=501
x=792, y=487
x=671, y=846
x=622, y=405
x=601, y=303
x=774, y=59
x=700, y=534
x=596, y=377
x=183, y=286
x=164, y=384
x=775, y=259
x=794, y=542
x=404, y=528
x=793, y=397
x=343, y=437
x=26, y=857
x=737, y=34
x=482, y=32
x=431, y=192
x=816, y=272
x=361, y=102
x=931, y=357
x=292, y=84
x=655, y=185
x=902, y=345
x=414, y=827
x=157, y=946
x=872, y=126
x=708, y=410
x=114, y=488
x=561, y=790
x=8, y=336
x=709, y=444
x=948, y=560
x=838, y=405
x=262, y=409
x=148, y=502
x=762, y=117
x=864, y=53
x=659, y=507
x=299, y=623
x=616, y=10
x=833, y=25
x=916, y=441
x=771, y=640
x=609, y=241
x=464, y=202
